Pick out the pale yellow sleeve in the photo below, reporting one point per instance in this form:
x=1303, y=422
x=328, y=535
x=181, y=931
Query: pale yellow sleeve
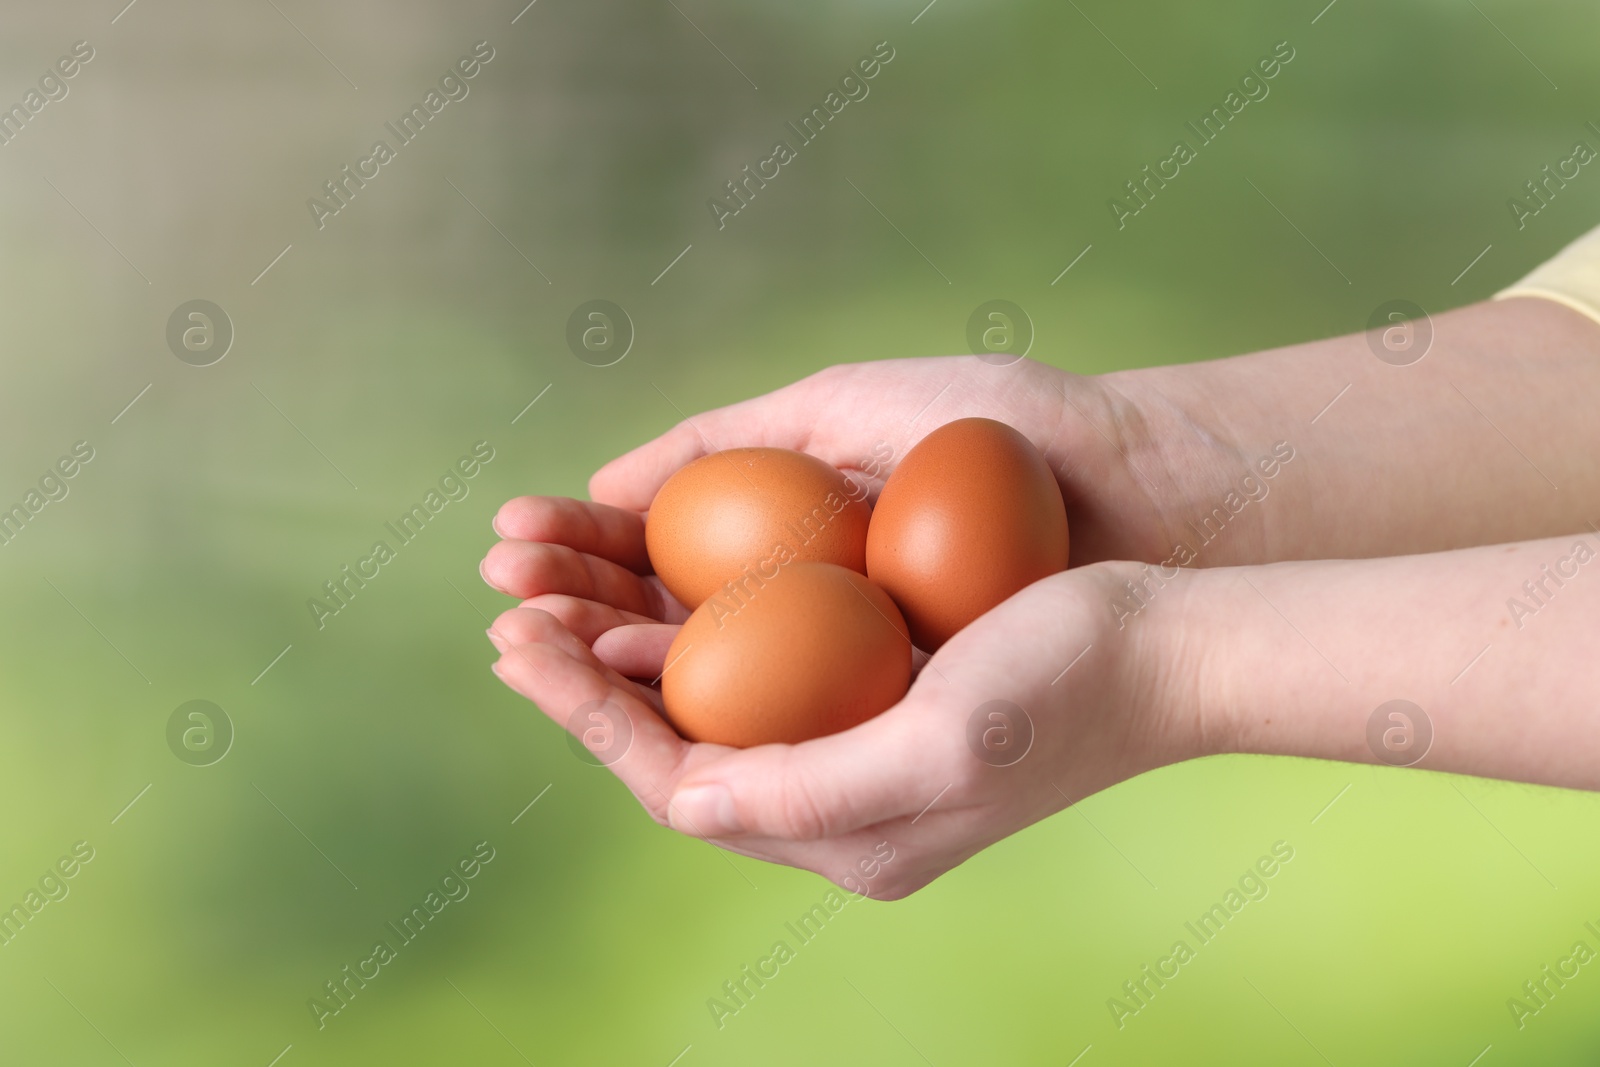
x=1571, y=278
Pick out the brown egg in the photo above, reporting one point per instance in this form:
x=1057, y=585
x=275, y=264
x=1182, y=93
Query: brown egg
x=970, y=516
x=813, y=650
x=736, y=516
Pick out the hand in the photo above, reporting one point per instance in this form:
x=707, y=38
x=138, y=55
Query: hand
x=1131, y=466
x=594, y=617
x=1128, y=472
x=886, y=807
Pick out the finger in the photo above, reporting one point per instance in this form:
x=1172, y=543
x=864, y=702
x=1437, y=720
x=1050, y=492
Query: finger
x=832, y=415
x=636, y=651
x=632, y=645
x=557, y=672
x=561, y=675
x=585, y=619
x=887, y=767
x=598, y=529
x=829, y=415
x=528, y=569
x=781, y=419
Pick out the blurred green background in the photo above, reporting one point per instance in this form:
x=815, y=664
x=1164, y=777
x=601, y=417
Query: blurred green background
x=377, y=751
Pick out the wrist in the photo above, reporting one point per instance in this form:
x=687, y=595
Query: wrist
x=1195, y=632
x=1206, y=476
x=1161, y=642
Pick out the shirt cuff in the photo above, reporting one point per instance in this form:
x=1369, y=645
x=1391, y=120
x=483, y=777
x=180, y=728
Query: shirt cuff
x=1572, y=278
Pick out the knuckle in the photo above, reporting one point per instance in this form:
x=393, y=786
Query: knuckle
x=798, y=810
x=833, y=373
x=655, y=806
x=561, y=605
x=557, y=519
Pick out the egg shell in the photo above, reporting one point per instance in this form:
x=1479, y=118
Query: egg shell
x=814, y=650
x=971, y=515
x=742, y=512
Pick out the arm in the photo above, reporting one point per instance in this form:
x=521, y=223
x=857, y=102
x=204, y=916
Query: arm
x=1410, y=459
x=1488, y=438
x=1462, y=447
x=1494, y=644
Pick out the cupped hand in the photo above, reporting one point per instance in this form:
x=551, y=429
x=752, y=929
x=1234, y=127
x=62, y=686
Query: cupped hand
x=595, y=623
x=1038, y=704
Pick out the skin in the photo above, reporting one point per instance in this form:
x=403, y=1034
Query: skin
x=1379, y=565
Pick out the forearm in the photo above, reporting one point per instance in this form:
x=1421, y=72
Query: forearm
x=1488, y=438
x=1495, y=645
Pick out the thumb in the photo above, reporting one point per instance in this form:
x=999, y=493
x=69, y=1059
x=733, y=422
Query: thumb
x=786, y=418
x=833, y=785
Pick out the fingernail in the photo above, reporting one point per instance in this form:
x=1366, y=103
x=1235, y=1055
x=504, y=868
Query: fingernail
x=494, y=524
x=497, y=641
x=495, y=666
x=484, y=575
x=704, y=811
